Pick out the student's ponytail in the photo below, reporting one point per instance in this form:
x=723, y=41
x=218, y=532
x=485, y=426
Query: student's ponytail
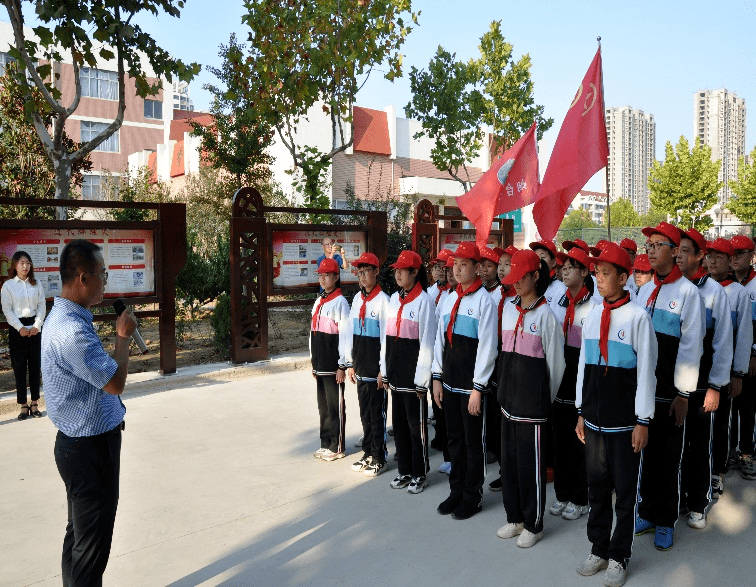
x=544, y=279
x=422, y=278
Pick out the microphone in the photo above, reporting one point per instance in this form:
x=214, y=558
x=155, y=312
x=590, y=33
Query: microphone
x=119, y=307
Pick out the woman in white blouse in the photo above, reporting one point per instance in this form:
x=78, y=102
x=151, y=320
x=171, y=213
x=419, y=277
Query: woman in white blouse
x=23, y=301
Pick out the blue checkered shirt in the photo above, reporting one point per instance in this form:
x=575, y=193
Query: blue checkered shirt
x=75, y=368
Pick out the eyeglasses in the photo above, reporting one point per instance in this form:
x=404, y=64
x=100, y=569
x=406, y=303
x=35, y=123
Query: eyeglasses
x=364, y=272
x=102, y=274
x=743, y=253
x=657, y=246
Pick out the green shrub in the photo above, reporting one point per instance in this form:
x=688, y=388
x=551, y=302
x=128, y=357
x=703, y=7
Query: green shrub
x=221, y=323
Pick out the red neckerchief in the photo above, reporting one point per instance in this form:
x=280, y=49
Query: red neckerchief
x=726, y=281
x=476, y=285
x=509, y=292
x=541, y=301
x=441, y=289
x=408, y=297
x=606, y=317
x=552, y=274
x=673, y=276
x=699, y=274
x=365, y=299
x=569, y=316
x=324, y=299
x=749, y=277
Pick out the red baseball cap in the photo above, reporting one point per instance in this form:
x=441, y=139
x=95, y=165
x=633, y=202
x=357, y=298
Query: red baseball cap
x=328, y=266
x=510, y=250
x=450, y=262
x=490, y=254
x=722, y=245
x=408, y=260
x=696, y=237
x=560, y=258
x=579, y=255
x=468, y=250
x=596, y=249
x=523, y=262
x=443, y=256
x=366, y=259
x=569, y=245
x=613, y=253
x=642, y=263
x=630, y=244
x=498, y=250
x=664, y=229
x=743, y=243
x=548, y=245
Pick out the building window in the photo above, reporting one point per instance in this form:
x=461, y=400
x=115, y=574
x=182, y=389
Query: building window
x=153, y=109
x=98, y=83
x=5, y=59
x=89, y=130
x=91, y=188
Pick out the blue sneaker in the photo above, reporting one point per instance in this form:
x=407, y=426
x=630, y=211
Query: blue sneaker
x=664, y=537
x=643, y=526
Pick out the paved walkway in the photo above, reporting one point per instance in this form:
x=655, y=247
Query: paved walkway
x=218, y=487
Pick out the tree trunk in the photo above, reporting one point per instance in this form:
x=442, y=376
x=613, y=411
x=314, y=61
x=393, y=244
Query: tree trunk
x=62, y=185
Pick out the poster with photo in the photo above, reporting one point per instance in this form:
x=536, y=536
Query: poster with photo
x=453, y=240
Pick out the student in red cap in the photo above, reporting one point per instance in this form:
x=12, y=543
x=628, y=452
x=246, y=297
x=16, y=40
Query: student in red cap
x=642, y=274
x=570, y=482
x=531, y=364
x=438, y=272
x=505, y=263
x=615, y=399
x=489, y=269
x=631, y=247
x=744, y=406
x=720, y=252
x=410, y=332
x=678, y=315
x=328, y=334
x=546, y=250
x=713, y=381
x=463, y=362
x=569, y=245
x=366, y=360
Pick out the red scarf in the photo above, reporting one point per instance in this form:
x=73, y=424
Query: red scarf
x=673, y=276
x=726, y=281
x=441, y=289
x=476, y=285
x=749, y=277
x=541, y=301
x=569, y=316
x=408, y=297
x=365, y=299
x=509, y=292
x=324, y=299
x=699, y=274
x=606, y=316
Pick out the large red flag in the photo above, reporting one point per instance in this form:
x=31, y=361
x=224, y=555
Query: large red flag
x=581, y=149
x=510, y=183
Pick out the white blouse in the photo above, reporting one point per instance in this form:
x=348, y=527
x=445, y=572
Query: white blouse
x=21, y=299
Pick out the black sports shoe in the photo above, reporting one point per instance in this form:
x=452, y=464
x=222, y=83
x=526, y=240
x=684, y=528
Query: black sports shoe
x=495, y=485
x=448, y=505
x=466, y=510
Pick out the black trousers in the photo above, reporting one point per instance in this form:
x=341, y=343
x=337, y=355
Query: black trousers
x=523, y=473
x=90, y=468
x=25, y=354
x=441, y=437
x=332, y=413
x=743, y=412
x=373, y=405
x=493, y=423
x=720, y=446
x=467, y=447
x=611, y=463
x=660, y=474
x=570, y=481
x=410, y=415
x=696, y=464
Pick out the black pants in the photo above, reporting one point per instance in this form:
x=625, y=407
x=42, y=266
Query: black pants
x=332, y=413
x=523, y=473
x=696, y=464
x=25, y=354
x=441, y=437
x=467, y=447
x=660, y=475
x=493, y=423
x=570, y=481
x=720, y=446
x=743, y=412
x=611, y=463
x=410, y=415
x=373, y=416
x=90, y=468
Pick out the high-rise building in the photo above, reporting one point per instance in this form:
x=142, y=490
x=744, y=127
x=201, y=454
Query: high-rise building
x=719, y=120
x=181, y=96
x=632, y=146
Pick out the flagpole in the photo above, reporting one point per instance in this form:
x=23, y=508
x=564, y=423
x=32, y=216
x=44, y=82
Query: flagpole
x=606, y=169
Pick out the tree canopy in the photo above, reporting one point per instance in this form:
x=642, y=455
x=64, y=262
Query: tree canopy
x=743, y=205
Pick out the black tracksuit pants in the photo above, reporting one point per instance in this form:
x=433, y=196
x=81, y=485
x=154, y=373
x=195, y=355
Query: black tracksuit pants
x=26, y=354
x=720, y=446
x=611, y=463
x=441, y=438
x=523, y=472
x=410, y=416
x=743, y=412
x=696, y=464
x=467, y=447
x=570, y=481
x=493, y=423
x=373, y=416
x=660, y=475
x=332, y=413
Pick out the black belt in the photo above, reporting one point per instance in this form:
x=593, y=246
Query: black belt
x=116, y=430
x=28, y=321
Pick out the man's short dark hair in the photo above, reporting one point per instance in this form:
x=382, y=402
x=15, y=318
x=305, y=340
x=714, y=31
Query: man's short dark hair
x=78, y=256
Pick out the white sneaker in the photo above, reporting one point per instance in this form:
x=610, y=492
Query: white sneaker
x=318, y=454
x=360, y=465
x=696, y=520
x=557, y=508
x=329, y=455
x=510, y=530
x=615, y=574
x=528, y=539
x=592, y=565
x=358, y=444
x=417, y=485
x=573, y=512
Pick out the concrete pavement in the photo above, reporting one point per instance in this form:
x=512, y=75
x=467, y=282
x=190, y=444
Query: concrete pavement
x=218, y=487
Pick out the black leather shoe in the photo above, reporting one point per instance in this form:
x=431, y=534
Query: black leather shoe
x=448, y=505
x=495, y=485
x=465, y=510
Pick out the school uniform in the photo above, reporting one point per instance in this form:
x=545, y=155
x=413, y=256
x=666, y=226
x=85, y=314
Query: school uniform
x=410, y=332
x=329, y=330
x=553, y=294
x=531, y=365
x=465, y=364
x=678, y=315
x=365, y=353
x=613, y=394
x=744, y=406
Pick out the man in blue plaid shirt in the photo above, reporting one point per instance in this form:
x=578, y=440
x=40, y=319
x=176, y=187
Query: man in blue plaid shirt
x=82, y=386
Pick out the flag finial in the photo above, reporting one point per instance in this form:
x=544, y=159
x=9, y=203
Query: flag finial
x=599, y=41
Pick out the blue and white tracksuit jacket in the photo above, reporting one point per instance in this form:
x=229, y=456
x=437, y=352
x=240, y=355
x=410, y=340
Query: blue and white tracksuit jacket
x=365, y=350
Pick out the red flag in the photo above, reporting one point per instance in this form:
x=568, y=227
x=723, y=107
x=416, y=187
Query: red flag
x=510, y=183
x=581, y=149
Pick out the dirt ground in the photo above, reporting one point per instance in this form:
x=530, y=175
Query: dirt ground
x=288, y=330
